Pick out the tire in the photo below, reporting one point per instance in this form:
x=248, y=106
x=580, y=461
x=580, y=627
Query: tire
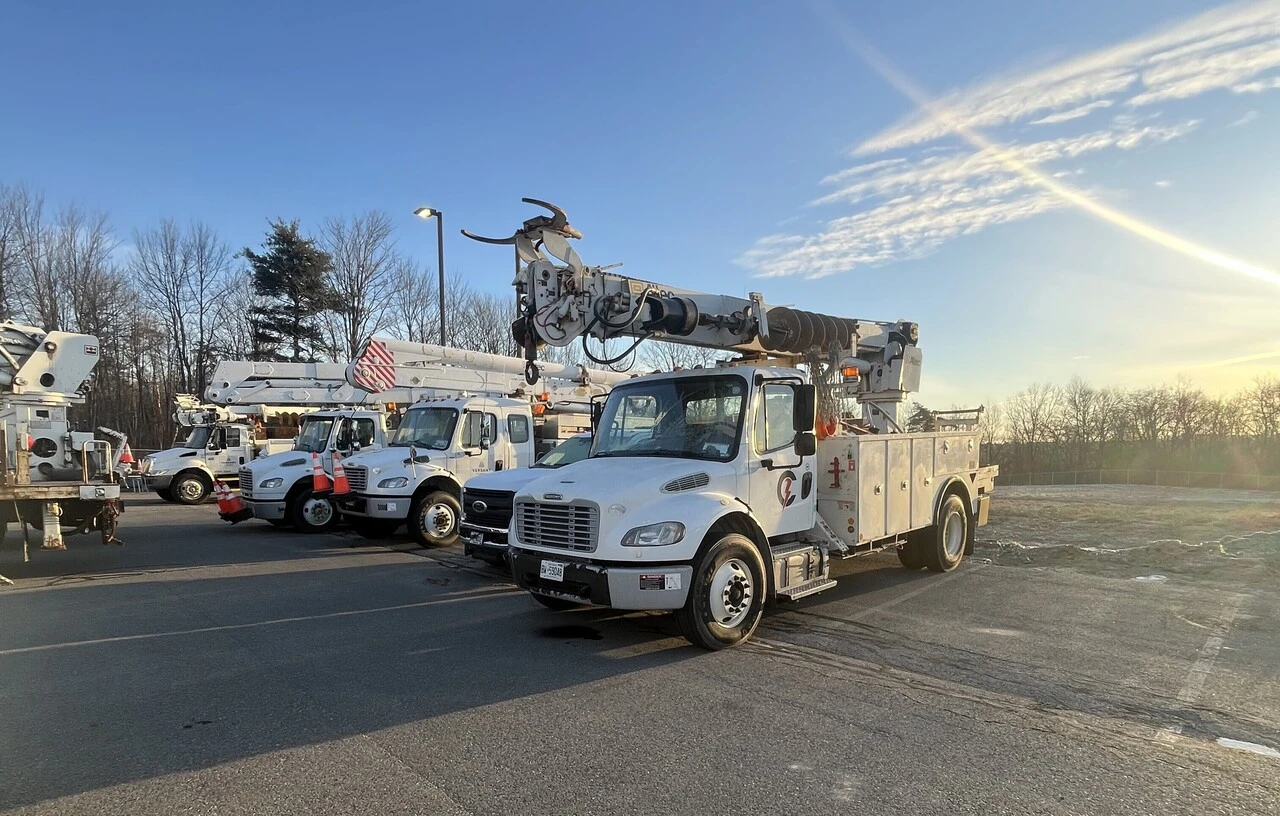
x=191, y=488
x=433, y=520
x=909, y=552
x=373, y=528
x=726, y=594
x=949, y=536
x=166, y=494
x=311, y=513
x=555, y=604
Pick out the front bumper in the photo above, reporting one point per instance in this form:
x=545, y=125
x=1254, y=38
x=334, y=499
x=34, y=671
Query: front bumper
x=267, y=510
x=376, y=507
x=604, y=583
x=159, y=482
x=488, y=543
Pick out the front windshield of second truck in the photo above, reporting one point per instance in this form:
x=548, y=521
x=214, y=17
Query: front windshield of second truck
x=426, y=428
x=686, y=417
x=198, y=438
x=314, y=436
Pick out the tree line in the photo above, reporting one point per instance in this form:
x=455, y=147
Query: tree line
x=1078, y=426
x=169, y=300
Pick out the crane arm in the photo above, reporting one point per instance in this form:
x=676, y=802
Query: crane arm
x=45, y=367
x=563, y=300
x=384, y=363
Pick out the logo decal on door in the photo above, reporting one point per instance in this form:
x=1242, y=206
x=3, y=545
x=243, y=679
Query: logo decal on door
x=785, y=497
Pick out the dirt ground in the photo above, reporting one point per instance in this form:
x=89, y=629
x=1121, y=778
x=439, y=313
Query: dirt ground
x=1133, y=529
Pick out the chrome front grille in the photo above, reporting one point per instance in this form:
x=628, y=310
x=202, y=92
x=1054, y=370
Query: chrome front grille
x=574, y=526
x=357, y=477
x=246, y=483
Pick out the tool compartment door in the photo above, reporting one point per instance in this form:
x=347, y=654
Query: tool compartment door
x=872, y=459
x=897, y=487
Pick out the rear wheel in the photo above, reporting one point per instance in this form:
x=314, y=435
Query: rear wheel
x=191, y=488
x=373, y=528
x=433, y=520
x=312, y=513
x=950, y=535
x=909, y=551
x=726, y=594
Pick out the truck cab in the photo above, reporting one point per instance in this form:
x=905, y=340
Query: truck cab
x=487, y=499
x=186, y=474
x=439, y=445
x=707, y=492
x=278, y=488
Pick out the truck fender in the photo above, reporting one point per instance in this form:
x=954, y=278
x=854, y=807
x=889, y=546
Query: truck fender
x=960, y=487
x=441, y=481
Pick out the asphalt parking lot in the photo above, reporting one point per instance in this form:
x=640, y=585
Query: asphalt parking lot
x=205, y=668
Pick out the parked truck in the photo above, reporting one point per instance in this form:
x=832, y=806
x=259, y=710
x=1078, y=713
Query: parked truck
x=52, y=477
x=253, y=410
x=713, y=492
x=491, y=422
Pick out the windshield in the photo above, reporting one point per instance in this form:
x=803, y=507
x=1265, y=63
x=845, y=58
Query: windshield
x=566, y=453
x=426, y=428
x=689, y=417
x=314, y=436
x=198, y=438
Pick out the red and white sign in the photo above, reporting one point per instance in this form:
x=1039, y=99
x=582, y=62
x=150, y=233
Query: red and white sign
x=375, y=369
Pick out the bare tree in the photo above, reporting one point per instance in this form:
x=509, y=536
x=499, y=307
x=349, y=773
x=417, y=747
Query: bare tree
x=1034, y=416
x=233, y=337
x=413, y=303
x=366, y=272
x=11, y=202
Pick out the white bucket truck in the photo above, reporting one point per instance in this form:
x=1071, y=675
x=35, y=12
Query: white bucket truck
x=254, y=410
x=713, y=492
x=491, y=422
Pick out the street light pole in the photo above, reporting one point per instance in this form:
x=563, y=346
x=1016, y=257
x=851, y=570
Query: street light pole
x=428, y=213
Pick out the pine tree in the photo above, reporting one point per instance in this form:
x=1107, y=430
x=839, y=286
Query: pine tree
x=290, y=278
x=921, y=419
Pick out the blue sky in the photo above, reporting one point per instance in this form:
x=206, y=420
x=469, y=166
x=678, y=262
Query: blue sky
x=706, y=144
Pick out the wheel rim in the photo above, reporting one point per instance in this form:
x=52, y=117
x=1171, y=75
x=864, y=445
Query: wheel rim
x=953, y=533
x=190, y=489
x=438, y=520
x=317, y=512
x=732, y=591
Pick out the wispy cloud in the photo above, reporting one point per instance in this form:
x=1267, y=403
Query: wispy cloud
x=1248, y=117
x=906, y=206
x=1163, y=183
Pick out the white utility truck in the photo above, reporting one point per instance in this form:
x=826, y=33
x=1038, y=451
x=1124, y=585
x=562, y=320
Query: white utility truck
x=255, y=411
x=487, y=499
x=51, y=476
x=711, y=492
x=492, y=421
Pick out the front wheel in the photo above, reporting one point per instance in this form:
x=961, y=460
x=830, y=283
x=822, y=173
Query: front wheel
x=949, y=538
x=433, y=520
x=312, y=513
x=726, y=594
x=166, y=494
x=191, y=488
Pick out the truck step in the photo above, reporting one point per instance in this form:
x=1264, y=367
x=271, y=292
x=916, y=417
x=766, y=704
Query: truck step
x=799, y=591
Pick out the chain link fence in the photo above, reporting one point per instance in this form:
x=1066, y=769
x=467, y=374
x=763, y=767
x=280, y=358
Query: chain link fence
x=1161, y=478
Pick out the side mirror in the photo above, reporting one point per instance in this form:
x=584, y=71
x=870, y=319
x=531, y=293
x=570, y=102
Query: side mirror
x=806, y=444
x=597, y=411
x=804, y=414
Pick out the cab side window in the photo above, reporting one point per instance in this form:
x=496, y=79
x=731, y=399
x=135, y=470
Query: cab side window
x=232, y=438
x=473, y=424
x=775, y=409
x=364, y=432
x=518, y=428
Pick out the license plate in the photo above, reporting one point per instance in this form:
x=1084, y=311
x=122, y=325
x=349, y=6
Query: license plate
x=551, y=570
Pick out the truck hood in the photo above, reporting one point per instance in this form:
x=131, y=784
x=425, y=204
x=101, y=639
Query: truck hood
x=264, y=467
x=173, y=458
x=620, y=479
x=509, y=480
x=394, y=459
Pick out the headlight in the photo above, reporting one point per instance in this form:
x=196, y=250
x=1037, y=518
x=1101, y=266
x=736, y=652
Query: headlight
x=271, y=482
x=398, y=481
x=654, y=535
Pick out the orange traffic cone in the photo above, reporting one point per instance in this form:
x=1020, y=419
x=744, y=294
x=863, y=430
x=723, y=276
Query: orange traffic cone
x=126, y=456
x=319, y=480
x=230, y=507
x=341, y=486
